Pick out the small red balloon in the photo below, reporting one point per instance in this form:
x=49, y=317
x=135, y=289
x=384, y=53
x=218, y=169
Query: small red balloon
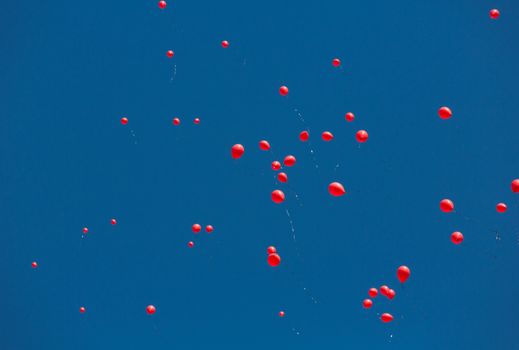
x=336, y=62
x=304, y=135
x=196, y=228
x=34, y=264
x=367, y=303
x=271, y=250
x=264, y=145
x=386, y=317
x=85, y=230
x=501, y=207
x=170, y=53
x=237, y=151
x=113, y=222
x=273, y=259
x=283, y=91
x=384, y=290
x=225, y=44
x=336, y=189
x=391, y=294
x=176, y=121
x=124, y=120
x=196, y=121
x=276, y=165
x=446, y=205
x=403, y=273
x=349, y=116
x=362, y=136
x=150, y=309
x=162, y=4
x=494, y=13
x=327, y=136
x=373, y=292
x=282, y=177
x=457, y=237
x=289, y=160
x=209, y=228
x=444, y=112
x=515, y=186
x=282, y=314
x=278, y=196
x=190, y=244
x=82, y=309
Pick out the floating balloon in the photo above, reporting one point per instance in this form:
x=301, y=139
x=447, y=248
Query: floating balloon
x=283, y=91
x=391, y=294
x=282, y=314
x=271, y=250
x=162, y=4
x=150, y=309
x=367, y=303
x=273, y=259
x=362, y=136
x=446, y=205
x=336, y=189
x=327, y=136
x=494, y=13
x=176, y=121
x=237, y=151
x=384, y=290
x=225, y=44
x=501, y=207
x=349, y=116
x=264, y=145
x=196, y=228
x=282, y=177
x=276, y=165
x=403, y=273
x=85, y=230
x=196, y=121
x=515, y=186
x=124, y=120
x=170, y=53
x=373, y=292
x=209, y=229
x=190, y=244
x=444, y=112
x=457, y=237
x=34, y=264
x=336, y=62
x=289, y=160
x=113, y=222
x=82, y=309
x=386, y=317
x=303, y=136
x=278, y=196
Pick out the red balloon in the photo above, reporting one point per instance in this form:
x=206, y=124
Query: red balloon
x=327, y=136
x=336, y=189
x=276, y=165
x=457, y=237
x=85, y=230
x=349, y=116
x=190, y=244
x=282, y=314
x=82, y=309
x=124, y=120
x=403, y=273
x=273, y=259
x=282, y=177
x=501, y=207
x=336, y=62
x=170, y=53
x=264, y=145
x=34, y=264
x=494, y=13
x=444, y=112
x=303, y=136
x=386, y=317
x=209, y=228
x=176, y=121
x=446, y=205
x=283, y=91
x=367, y=303
x=225, y=44
x=196, y=121
x=196, y=228
x=362, y=136
x=150, y=309
x=113, y=221
x=384, y=290
x=271, y=250
x=391, y=294
x=162, y=4
x=278, y=196
x=289, y=160
x=373, y=292
x=515, y=186
x=237, y=151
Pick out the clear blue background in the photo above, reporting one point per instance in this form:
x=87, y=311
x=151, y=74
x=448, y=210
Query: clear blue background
x=71, y=69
